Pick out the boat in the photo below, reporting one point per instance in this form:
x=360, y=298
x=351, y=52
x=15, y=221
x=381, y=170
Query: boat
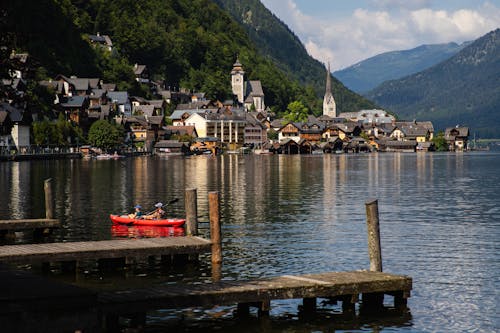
x=167, y=222
x=145, y=231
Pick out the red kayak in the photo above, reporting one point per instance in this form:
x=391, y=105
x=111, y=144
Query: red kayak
x=170, y=222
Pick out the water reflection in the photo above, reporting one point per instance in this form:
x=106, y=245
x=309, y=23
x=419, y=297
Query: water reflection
x=440, y=220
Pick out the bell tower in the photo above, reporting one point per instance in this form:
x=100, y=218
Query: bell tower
x=237, y=81
x=329, y=106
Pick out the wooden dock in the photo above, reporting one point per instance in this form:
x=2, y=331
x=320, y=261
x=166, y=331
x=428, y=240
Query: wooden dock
x=25, y=224
x=344, y=286
x=121, y=248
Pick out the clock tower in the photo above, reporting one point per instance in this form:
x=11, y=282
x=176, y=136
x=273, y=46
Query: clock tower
x=237, y=81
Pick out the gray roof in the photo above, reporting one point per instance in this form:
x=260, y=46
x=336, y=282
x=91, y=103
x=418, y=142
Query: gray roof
x=120, y=97
x=452, y=132
x=254, y=88
x=147, y=110
x=155, y=120
x=74, y=101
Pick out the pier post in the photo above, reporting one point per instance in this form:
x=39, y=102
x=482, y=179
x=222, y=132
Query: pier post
x=215, y=228
x=191, y=212
x=49, y=202
x=373, y=228
x=373, y=301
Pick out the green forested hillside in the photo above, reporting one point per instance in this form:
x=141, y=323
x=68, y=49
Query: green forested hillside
x=463, y=90
x=186, y=43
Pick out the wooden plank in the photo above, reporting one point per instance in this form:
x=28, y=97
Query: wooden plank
x=331, y=284
x=28, y=224
x=103, y=249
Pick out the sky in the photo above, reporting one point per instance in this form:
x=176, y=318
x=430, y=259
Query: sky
x=344, y=32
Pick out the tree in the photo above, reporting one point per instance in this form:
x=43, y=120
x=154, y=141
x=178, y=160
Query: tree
x=440, y=142
x=296, y=112
x=105, y=135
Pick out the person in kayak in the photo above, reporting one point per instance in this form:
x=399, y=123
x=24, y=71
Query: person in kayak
x=157, y=213
x=137, y=214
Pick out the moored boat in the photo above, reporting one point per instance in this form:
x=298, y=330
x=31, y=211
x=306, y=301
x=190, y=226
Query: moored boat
x=167, y=222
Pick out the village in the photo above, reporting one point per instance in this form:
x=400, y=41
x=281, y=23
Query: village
x=182, y=122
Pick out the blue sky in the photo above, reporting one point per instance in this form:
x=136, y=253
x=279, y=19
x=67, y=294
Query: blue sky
x=344, y=32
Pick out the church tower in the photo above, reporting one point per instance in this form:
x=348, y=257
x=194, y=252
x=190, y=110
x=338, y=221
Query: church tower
x=329, y=106
x=237, y=81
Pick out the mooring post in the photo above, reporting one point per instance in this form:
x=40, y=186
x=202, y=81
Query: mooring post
x=373, y=301
x=191, y=212
x=49, y=202
x=215, y=232
x=373, y=228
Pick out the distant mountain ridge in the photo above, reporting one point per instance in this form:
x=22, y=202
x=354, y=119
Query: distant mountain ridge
x=369, y=73
x=464, y=89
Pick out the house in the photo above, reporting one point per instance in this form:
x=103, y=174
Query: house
x=120, y=101
x=170, y=148
x=411, y=131
x=333, y=145
x=103, y=41
x=75, y=108
x=185, y=131
x=255, y=132
x=289, y=131
x=457, y=138
x=312, y=132
x=14, y=130
x=141, y=73
x=333, y=131
x=204, y=145
x=397, y=146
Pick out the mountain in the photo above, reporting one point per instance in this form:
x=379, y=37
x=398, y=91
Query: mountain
x=369, y=73
x=464, y=89
x=274, y=40
x=184, y=43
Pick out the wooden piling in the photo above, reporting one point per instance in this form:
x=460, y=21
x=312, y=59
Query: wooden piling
x=373, y=301
x=49, y=202
x=215, y=228
x=191, y=212
x=372, y=223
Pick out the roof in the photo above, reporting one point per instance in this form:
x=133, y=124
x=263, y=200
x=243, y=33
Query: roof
x=155, y=120
x=169, y=144
x=254, y=88
x=108, y=86
x=145, y=109
x=74, y=101
x=120, y=97
x=181, y=130
x=139, y=69
x=412, y=129
x=207, y=139
x=452, y=132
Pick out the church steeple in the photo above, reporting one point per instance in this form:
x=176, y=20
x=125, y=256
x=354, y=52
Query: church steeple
x=329, y=106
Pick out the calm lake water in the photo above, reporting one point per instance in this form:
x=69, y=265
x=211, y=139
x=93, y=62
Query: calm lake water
x=439, y=221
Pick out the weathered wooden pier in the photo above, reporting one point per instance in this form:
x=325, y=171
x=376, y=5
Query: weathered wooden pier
x=109, y=306
x=39, y=226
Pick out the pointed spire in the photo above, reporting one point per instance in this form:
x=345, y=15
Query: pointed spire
x=328, y=81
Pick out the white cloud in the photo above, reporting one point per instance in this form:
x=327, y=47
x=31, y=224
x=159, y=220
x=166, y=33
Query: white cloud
x=368, y=32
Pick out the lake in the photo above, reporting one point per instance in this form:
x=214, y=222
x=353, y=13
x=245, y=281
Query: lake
x=439, y=224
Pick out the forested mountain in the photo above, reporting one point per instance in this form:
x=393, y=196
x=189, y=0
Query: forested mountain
x=274, y=40
x=464, y=89
x=369, y=73
x=186, y=43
